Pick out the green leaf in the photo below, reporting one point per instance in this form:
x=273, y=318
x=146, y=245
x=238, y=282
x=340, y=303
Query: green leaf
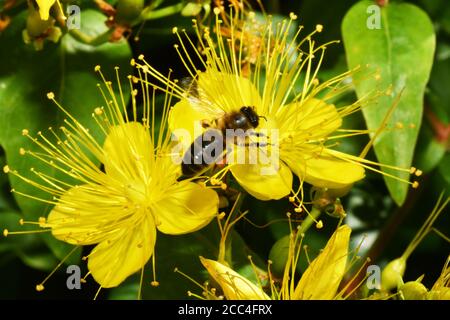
x=67, y=70
x=444, y=169
x=401, y=50
x=438, y=94
x=10, y=221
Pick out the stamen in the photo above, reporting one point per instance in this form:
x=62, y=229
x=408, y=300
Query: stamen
x=40, y=286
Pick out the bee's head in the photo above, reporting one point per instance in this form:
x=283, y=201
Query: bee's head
x=250, y=114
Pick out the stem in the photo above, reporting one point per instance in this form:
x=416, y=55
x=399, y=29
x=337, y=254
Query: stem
x=309, y=220
x=149, y=14
x=225, y=253
x=93, y=41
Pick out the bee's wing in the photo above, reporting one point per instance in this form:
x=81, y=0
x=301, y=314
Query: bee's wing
x=200, y=100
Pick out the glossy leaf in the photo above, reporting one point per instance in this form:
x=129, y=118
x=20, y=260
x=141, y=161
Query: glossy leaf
x=401, y=51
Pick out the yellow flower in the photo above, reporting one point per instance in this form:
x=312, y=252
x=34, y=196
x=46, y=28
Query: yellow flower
x=320, y=281
x=118, y=209
x=45, y=6
x=441, y=288
x=295, y=114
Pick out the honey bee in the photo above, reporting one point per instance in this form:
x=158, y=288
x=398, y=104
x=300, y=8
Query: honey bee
x=210, y=146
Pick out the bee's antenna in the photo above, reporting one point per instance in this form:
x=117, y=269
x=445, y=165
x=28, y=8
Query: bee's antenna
x=263, y=117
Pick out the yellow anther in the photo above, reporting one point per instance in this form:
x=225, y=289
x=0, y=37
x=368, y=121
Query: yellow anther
x=40, y=287
x=154, y=283
x=51, y=95
x=319, y=225
x=6, y=169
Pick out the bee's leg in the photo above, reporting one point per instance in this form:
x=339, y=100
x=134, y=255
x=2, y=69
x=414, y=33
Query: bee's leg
x=256, y=144
x=256, y=134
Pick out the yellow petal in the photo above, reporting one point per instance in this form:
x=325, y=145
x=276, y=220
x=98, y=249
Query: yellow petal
x=314, y=117
x=44, y=8
x=187, y=207
x=263, y=181
x=321, y=279
x=83, y=212
x=226, y=92
x=323, y=168
x=112, y=261
x=128, y=152
x=185, y=123
x=234, y=286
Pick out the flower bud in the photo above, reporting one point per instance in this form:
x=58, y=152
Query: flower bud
x=392, y=274
x=279, y=255
x=413, y=290
x=128, y=11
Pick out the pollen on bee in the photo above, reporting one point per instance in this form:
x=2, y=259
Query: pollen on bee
x=51, y=95
x=6, y=169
